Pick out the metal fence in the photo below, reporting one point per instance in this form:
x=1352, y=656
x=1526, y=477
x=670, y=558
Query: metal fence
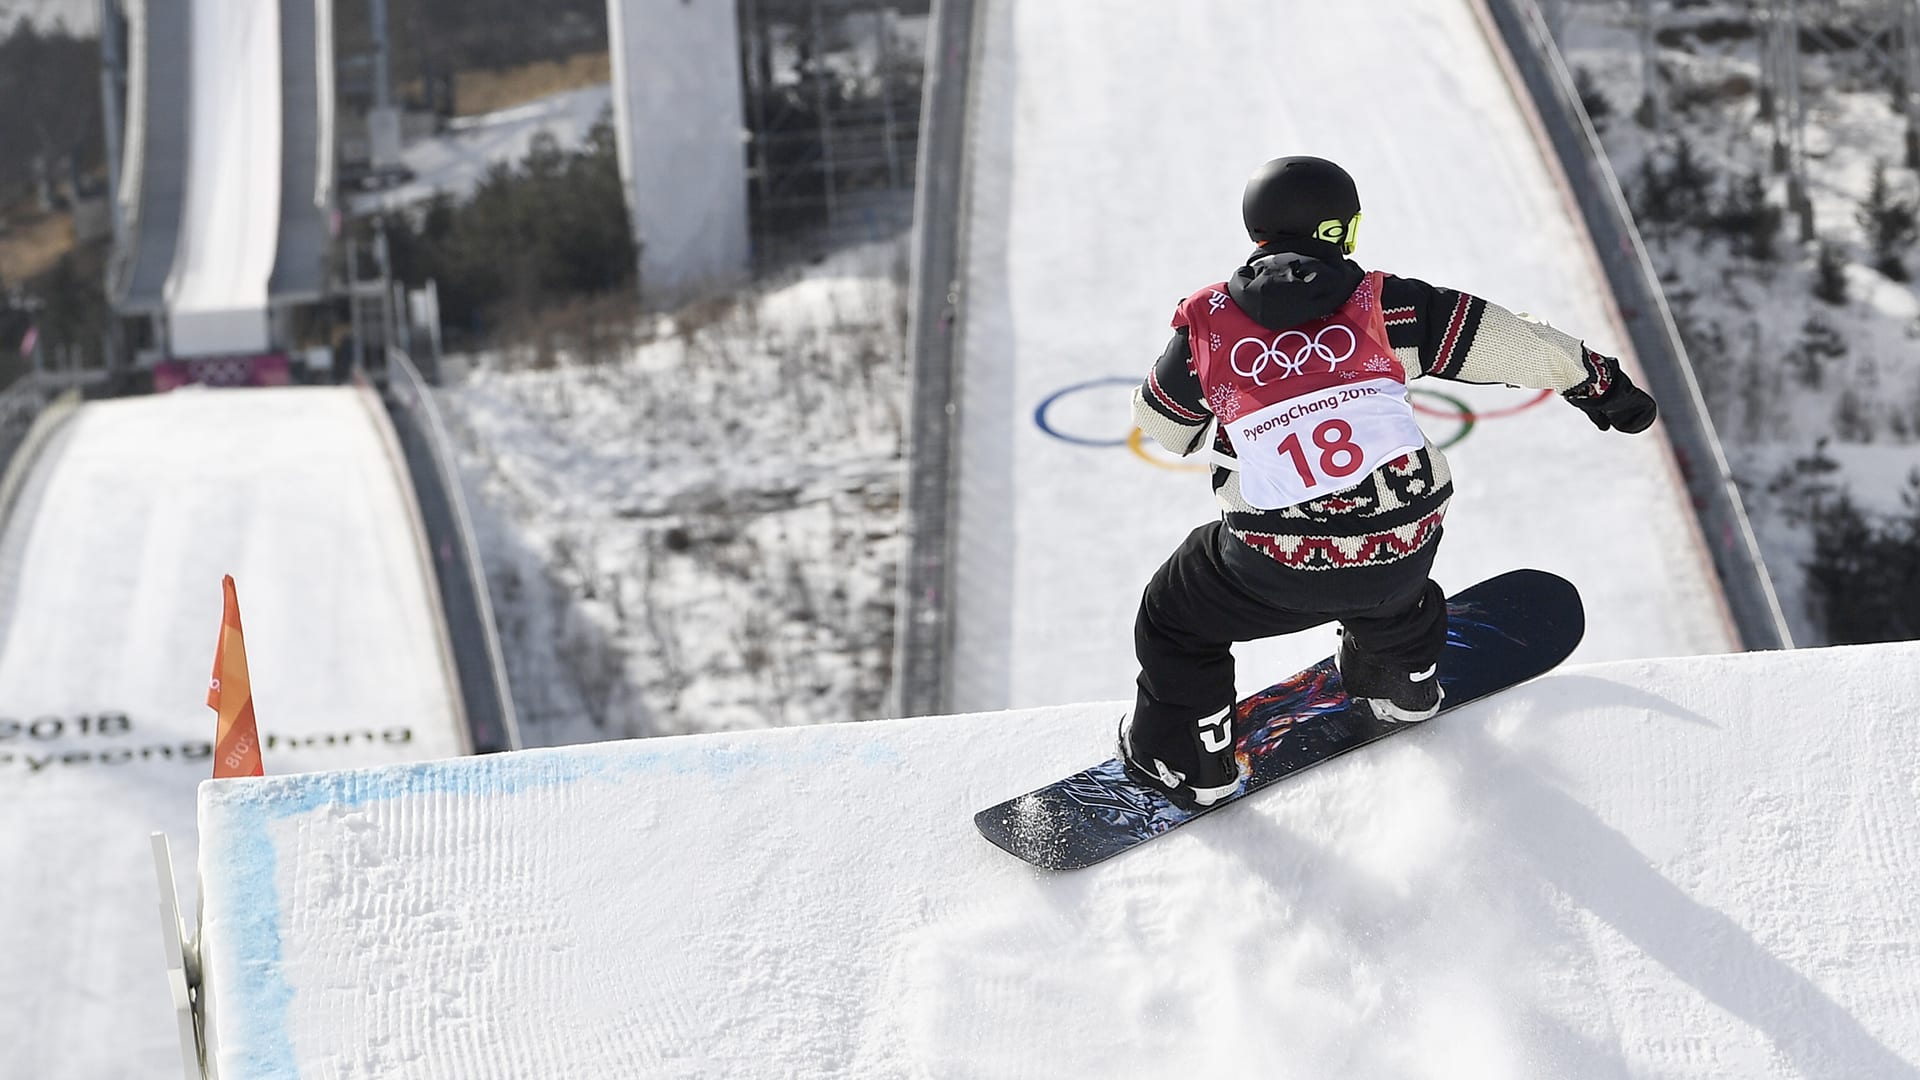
x=922, y=630
x=23, y=405
x=20, y=406
x=1749, y=592
x=464, y=599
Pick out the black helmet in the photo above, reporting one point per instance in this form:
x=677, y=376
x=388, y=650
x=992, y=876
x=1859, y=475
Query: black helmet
x=1302, y=198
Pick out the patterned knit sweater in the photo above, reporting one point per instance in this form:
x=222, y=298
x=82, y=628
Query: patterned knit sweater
x=1397, y=509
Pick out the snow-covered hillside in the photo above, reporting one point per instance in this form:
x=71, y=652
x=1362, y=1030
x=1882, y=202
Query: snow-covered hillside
x=1782, y=368
x=1689, y=869
x=453, y=162
x=701, y=533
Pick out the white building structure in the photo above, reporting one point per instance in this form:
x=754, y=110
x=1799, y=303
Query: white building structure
x=677, y=108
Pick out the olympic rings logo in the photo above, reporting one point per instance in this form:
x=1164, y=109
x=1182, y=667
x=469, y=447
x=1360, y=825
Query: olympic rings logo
x=1294, y=364
x=1449, y=408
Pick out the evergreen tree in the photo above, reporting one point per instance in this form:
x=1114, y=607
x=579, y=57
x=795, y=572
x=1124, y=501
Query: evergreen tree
x=1852, y=420
x=1819, y=343
x=534, y=235
x=1830, y=275
x=1679, y=191
x=1805, y=486
x=1748, y=220
x=1891, y=223
x=1656, y=201
x=1866, y=572
x=1690, y=185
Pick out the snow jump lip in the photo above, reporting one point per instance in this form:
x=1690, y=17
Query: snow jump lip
x=1557, y=881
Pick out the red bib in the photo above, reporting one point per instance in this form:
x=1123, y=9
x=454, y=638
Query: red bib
x=1309, y=410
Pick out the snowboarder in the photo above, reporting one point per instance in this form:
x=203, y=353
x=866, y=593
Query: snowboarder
x=1331, y=496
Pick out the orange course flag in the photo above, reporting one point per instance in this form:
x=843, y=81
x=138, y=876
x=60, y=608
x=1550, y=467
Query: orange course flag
x=236, y=749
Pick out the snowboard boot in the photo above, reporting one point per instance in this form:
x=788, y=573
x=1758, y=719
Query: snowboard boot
x=1195, y=767
x=1398, y=696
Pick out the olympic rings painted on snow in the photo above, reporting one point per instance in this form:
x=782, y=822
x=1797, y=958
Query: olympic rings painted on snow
x=1462, y=414
x=1040, y=411
x=1471, y=414
x=1457, y=411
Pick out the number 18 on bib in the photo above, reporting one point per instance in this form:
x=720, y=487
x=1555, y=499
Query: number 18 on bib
x=1305, y=447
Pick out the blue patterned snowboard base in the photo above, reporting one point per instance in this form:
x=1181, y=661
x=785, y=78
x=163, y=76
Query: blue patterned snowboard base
x=1500, y=633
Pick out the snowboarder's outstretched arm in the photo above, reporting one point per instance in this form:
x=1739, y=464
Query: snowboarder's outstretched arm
x=1454, y=335
x=1434, y=331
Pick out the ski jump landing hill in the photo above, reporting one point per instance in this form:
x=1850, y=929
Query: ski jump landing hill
x=1105, y=180
x=122, y=516
x=1691, y=868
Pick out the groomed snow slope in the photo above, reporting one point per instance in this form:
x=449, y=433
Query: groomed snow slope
x=1694, y=868
x=110, y=603
x=1108, y=144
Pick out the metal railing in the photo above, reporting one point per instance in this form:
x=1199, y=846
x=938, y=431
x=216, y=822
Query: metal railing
x=1751, y=600
x=923, y=632
x=30, y=409
x=473, y=636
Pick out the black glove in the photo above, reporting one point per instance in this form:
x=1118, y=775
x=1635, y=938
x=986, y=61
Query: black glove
x=1610, y=399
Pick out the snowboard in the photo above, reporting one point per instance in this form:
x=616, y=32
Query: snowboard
x=1500, y=633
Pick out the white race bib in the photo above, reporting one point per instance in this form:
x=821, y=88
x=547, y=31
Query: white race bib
x=1321, y=442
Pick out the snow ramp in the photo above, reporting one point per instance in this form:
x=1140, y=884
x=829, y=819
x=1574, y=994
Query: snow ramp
x=1687, y=868
x=110, y=604
x=1106, y=147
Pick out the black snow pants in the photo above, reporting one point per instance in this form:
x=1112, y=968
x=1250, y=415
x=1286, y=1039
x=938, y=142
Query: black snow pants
x=1215, y=591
